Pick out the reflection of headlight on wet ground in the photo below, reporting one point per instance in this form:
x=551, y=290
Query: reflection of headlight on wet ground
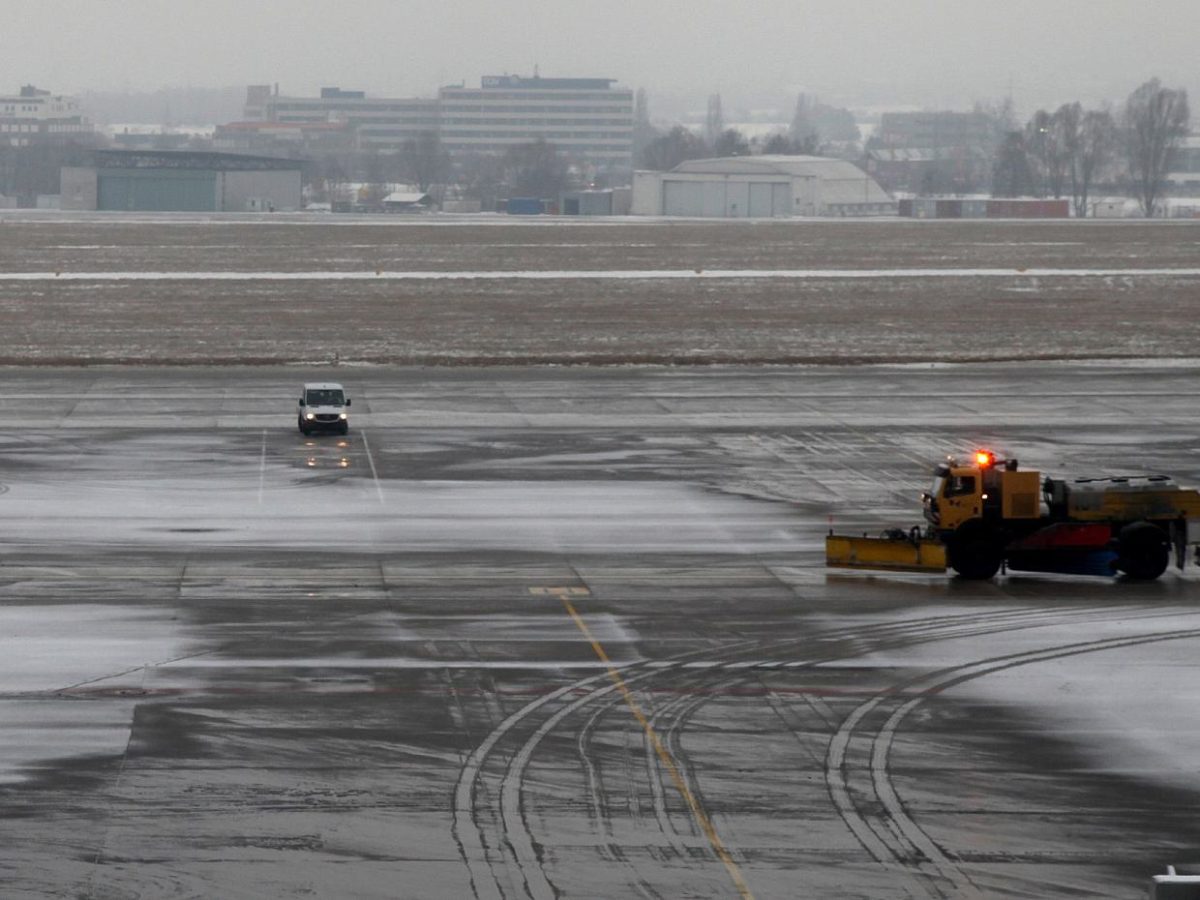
x=344, y=463
x=312, y=462
x=343, y=444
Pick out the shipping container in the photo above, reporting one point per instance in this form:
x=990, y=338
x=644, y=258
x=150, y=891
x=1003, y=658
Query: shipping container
x=1028, y=209
x=523, y=206
x=948, y=209
x=924, y=208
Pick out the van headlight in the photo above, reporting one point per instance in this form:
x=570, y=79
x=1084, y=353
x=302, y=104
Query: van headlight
x=342, y=416
x=310, y=416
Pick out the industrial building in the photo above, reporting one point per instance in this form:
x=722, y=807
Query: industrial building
x=927, y=152
x=35, y=117
x=377, y=123
x=184, y=181
x=935, y=130
x=760, y=187
x=1184, y=175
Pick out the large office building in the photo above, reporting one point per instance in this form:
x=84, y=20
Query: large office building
x=376, y=122
x=34, y=117
x=941, y=130
x=587, y=118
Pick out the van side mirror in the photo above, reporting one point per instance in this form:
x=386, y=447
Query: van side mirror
x=301, y=401
x=347, y=401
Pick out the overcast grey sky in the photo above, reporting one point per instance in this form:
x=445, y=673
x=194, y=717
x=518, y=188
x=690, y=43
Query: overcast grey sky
x=928, y=53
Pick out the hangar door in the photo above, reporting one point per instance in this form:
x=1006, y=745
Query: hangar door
x=683, y=198
x=769, y=199
x=149, y=191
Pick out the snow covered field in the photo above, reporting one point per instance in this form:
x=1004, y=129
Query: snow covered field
x=193, y=290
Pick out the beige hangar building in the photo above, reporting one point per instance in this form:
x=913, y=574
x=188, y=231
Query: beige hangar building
x=760, y=187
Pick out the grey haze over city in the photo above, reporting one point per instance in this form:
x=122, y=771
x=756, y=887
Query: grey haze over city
x=915, y=53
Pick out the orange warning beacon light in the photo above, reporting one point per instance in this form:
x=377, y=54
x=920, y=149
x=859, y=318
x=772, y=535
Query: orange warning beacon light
x=984, y=458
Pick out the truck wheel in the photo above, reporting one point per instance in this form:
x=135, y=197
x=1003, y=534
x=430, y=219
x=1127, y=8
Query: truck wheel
x=1143, y=551
x=975, y=553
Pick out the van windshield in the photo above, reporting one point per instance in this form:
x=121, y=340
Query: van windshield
x=324, y=398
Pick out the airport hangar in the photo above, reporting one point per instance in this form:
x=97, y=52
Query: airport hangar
x=182, y=181
x=760, y=187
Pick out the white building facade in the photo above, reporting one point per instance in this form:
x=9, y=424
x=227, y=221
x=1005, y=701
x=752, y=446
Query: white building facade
x=33, y=117
x=586, y=118
x=377, y=123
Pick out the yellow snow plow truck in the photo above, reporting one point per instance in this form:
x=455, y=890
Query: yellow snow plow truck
x=985, y=513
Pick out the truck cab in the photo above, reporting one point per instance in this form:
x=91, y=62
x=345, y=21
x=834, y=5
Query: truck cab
x=323, y=406
x=981, y=489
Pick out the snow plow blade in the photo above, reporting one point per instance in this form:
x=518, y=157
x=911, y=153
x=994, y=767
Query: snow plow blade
x=899, y=554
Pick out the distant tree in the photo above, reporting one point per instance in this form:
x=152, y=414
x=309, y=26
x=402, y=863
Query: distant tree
x=783, y=145
x=1049, y=142
x=1155, y=123
x=731, y=142
x=1037, y=137
x=1067, y=122
x=424, y=161
x=375, y=178
x=1012, y=176
x=1000, y=121
x=333, y=174
x=803, y=130
x=535, y=169
x=714, y=121
x=669, y=150
x=778, y=144
x=643, y=131
x=1098, y=140
x=481, y=176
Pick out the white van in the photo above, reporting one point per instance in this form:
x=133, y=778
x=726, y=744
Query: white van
x=323, y=407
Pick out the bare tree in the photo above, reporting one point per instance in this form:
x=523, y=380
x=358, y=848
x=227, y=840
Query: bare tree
x=1154, y=124
x=1048, y=137
x=481, y=176
x=1067, y=121
x=667, y=151
x=643, y=131
x=1039, y=150
x=804, y=130
x=1012, y=176
x=1098, y=139
x=535, y=169
x=424, y=161
x=714, y=121
x=376, y=184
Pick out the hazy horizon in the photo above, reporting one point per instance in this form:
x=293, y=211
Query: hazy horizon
x=918, y=53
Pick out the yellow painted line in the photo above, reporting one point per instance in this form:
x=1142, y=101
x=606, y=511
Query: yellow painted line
x=698, y=812
x=559, y=592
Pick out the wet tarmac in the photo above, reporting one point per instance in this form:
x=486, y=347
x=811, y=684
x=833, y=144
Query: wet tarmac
x=553, y=632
